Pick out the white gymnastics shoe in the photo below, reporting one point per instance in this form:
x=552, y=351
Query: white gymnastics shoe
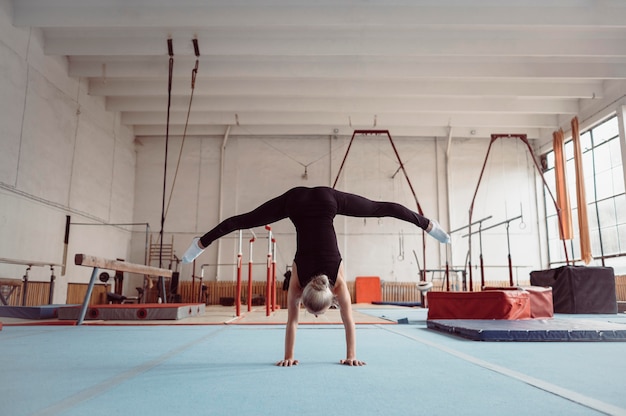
x=193, y=251
x=438, y=233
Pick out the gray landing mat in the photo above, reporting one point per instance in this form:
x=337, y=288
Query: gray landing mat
x=532, y=330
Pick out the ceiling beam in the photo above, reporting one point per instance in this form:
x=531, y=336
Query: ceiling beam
x=546, y=121
x=370, y=104
x=306, y=130
x=347, y=88
x=303, y=13
x=322, y=41
x=354, y=68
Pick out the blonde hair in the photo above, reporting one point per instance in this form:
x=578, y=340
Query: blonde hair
x=317, y=296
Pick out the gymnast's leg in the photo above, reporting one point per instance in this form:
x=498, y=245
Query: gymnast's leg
x=269, y=212
x=358, y=206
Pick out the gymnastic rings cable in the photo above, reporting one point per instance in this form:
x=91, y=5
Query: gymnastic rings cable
x=170, y=50
x=194, y=74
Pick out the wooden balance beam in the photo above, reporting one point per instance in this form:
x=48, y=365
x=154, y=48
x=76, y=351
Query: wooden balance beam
x=122, y=266
x=29, y=264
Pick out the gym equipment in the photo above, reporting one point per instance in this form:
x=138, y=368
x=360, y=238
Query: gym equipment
x=99, y=262
x=132, y=312
x=367, y=289
x=524, y=139
x=406, y=176
x=490, y=304
x=562, y=330
x=579, y=289
x=31, y=264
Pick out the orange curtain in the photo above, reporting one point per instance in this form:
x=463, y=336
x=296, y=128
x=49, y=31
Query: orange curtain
x=583, y=223
x=562, y=194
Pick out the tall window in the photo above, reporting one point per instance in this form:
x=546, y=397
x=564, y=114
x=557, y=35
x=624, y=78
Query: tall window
x=606, y=200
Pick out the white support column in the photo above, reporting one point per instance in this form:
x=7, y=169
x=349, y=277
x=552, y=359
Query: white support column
x=221, y=197
x=621, y=121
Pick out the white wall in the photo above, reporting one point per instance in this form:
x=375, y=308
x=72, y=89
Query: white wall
x=61, y=154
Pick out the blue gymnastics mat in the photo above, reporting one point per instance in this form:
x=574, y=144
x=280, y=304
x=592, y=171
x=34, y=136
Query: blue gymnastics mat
x=531, y=330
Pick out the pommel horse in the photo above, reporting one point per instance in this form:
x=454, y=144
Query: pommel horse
x=122, y=266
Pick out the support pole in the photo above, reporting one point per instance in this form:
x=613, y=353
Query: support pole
x=269, y=271
x=238, y=289
x=250, y=275
x=66, y=240
x=508, y=244
x=51, y=290
x=25, y=286
x=273, y=274
x=83, y=309
x=482, y=262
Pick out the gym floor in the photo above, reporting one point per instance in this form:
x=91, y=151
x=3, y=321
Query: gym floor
x=208, y=367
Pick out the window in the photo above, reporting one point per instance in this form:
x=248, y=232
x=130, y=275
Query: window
x=606, y=199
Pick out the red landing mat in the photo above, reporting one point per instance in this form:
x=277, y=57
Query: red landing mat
x=490, y=304
x=132, y=311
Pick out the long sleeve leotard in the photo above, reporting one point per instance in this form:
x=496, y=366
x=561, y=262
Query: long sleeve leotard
x=312, y=211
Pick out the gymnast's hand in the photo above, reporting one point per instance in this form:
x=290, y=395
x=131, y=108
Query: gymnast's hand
x=353, y=362
x=287, y=362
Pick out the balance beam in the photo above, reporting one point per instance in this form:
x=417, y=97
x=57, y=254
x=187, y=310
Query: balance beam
x=29, y=265
x=122, y=266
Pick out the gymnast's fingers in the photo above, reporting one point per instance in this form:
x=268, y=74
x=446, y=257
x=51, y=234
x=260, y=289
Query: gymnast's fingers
x=287, y=363
x=353, y=362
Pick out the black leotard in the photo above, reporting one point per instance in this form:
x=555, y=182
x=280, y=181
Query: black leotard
x=312, y=211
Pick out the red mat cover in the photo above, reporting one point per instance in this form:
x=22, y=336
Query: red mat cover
x=367, y=289
x=541, y=305
x=490, y=304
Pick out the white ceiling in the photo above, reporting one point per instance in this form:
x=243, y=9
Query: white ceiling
x=414, y=67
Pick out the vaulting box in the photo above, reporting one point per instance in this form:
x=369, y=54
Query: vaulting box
x=541, y=305
x=579, y=289
x=490, y=304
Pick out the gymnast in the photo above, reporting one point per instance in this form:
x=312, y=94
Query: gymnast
x=318, y=276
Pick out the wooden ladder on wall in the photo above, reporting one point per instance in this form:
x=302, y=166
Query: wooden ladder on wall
x=161, y=255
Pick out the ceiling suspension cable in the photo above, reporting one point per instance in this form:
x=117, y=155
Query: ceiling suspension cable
x=170, y=50
x=194, y=73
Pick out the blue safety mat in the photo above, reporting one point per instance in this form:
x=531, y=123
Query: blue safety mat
x=532, y=330
x=32, y=312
